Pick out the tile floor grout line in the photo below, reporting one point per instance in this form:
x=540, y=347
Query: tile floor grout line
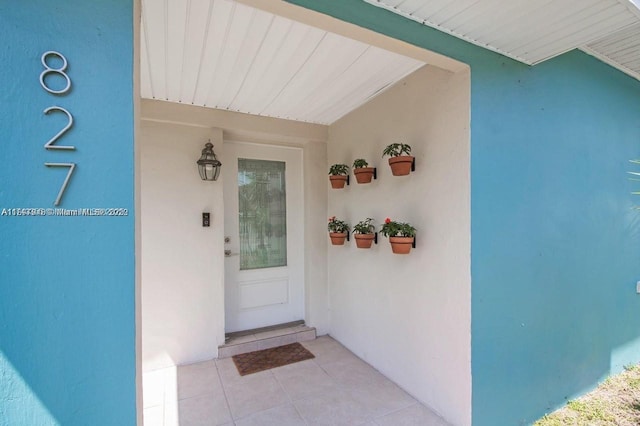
x=163, y=413
x=291, y=401
x=261, y=411
x=197, y=396
x=281, y=386
x=270, y=371
x=325, y=371
x=224, y=391
x=300, y=414
x=333, y=381
x=415, y=402
x=164, y=397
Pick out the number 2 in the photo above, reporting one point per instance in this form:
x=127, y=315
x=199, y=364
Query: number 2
x=50, y=143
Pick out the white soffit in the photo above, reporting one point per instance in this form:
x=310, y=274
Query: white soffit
x=226, y=55
x=620, y=49
x=532, y=31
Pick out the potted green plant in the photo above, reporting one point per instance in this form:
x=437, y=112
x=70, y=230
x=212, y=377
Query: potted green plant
x=365, y=233
x=362, y=171
x=400, y=159
x=338, y=174
x=338, y=231
x=401, y=235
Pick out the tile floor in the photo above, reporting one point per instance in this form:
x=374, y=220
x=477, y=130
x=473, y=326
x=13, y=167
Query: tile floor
x=335, y=388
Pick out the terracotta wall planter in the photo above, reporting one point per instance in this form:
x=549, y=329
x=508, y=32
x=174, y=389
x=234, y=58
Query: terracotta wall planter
x=401, y=245
x=338, y=181
x=364, y=241
x=401, y=166
x=363, y=174
x=338, y=238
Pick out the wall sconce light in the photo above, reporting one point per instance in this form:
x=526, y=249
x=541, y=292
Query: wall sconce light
x=208, y=164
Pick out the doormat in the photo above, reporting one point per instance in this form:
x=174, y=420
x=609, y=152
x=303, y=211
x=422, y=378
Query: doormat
x=253, y=362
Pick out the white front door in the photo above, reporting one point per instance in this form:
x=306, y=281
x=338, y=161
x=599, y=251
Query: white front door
x=264, y=244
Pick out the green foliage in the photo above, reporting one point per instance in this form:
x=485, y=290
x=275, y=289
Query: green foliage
x=360, y=163
x=396, y=150
x=591, y=411
x=339, y=170
x=616, y=401
x=336, y=225
x=634, y=383
x=364, y=227
x=391, y=228
x=549, y=420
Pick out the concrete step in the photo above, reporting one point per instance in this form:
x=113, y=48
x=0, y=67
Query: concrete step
x=250, y=342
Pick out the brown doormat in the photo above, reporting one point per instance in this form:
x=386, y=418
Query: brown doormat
x=253, y=362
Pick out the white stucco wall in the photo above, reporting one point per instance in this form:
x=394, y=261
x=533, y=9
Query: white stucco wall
x=182, y=262
x=409, y=316
x=315, y=250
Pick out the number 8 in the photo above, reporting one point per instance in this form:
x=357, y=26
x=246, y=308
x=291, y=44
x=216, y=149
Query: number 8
x=60, y=71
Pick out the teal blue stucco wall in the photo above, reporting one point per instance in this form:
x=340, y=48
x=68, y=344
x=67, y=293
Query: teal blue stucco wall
x=67, y=292
x=555, y=243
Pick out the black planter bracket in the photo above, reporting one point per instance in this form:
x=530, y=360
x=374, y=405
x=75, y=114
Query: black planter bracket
x=347, y=185
x=375, y=237
x=414, y=242
x=375, y=176
x=413, y=166
x=348, y=236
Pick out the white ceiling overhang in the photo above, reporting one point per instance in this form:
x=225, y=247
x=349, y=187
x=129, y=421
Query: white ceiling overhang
x=533, y=31
x=238, y=55
x=227, y=55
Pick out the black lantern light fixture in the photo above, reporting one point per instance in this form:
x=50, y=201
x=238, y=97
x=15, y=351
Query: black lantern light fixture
x=208, y=164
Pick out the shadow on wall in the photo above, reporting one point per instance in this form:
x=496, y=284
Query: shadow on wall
x=64, y=355
x=14, y=384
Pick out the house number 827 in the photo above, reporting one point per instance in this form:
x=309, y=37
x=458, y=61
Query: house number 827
x=50, y=143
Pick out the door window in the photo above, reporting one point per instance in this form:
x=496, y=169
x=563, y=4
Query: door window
x=262, y=213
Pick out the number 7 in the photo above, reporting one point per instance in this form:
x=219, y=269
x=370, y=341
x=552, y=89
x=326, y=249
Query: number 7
x=72, y=167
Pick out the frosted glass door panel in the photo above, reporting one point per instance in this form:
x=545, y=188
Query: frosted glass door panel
x=262, y=211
